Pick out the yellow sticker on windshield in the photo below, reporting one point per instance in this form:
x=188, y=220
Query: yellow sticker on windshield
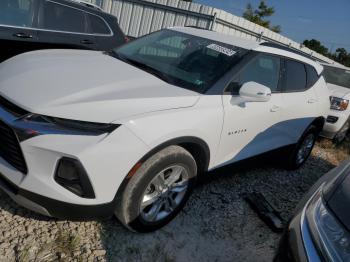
x=221, y=49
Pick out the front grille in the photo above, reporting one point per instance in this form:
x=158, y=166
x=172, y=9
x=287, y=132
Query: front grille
x=10, y=150
x=12, y=108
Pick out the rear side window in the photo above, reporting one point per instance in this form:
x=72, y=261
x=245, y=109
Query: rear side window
x=295, y=76
x=17, y=12
x=98, y=26
x=312, y=76
x=63, y=18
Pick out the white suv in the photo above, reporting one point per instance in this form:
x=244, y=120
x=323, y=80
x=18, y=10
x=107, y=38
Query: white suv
x=91, y=134
x=338, y=119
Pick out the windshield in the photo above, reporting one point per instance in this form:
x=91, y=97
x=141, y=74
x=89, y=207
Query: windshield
x=181, y=59
x=337, y=76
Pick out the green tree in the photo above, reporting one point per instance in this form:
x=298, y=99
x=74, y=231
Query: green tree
x=340, y=55
x=258, y=16
x=316, y=45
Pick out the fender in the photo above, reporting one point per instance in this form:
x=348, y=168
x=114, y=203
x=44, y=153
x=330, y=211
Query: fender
x=181, y=141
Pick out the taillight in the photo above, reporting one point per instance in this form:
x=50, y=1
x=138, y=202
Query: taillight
x=126, y=39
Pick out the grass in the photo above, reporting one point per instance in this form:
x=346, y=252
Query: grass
x=60, y=249
x=23, y=256
x=66, y=243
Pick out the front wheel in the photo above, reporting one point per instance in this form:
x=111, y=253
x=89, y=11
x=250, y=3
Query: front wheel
x=158, y=190
x=302, y=150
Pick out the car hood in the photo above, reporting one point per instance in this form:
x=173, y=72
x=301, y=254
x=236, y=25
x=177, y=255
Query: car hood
x=338, y=91
x=87, y=86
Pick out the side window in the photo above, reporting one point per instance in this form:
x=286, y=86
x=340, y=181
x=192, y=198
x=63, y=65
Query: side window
x=295, y=76
x=312, y=76
x=264, y=69
x=63, y=18
x=98, y=26
x=17, y=12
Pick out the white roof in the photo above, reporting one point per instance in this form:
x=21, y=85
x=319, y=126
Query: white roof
x=336, y=66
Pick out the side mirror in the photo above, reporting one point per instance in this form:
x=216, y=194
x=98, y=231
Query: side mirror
x=255, y=92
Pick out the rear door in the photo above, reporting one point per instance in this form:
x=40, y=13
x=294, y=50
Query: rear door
x=64, y=26
x=17, y=27
x=299, y=100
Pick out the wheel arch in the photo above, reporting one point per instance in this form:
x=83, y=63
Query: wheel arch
x=197, y=147
x=318, y=122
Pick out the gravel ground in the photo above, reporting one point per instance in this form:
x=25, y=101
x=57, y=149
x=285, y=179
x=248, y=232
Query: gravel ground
x=216, y=224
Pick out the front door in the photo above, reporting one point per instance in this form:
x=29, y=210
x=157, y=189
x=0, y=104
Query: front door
x=251, y=128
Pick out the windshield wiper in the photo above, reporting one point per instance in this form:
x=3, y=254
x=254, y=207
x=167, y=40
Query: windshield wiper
x=142, y=66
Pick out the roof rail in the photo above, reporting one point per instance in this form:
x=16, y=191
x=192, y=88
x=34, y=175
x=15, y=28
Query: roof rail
x=289, y=49
x=196, y=27
x=88, y=4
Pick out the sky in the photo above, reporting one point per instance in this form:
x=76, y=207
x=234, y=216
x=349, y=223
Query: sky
x=325, y=20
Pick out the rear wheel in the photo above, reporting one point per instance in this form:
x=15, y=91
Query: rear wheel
x=302, y=150
x=158, y=190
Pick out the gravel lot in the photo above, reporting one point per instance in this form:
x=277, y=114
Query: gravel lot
x=216, y=224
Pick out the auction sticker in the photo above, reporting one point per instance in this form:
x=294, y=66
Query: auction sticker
x=221, y=49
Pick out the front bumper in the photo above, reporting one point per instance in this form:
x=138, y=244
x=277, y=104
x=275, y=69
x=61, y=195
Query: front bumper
x=107, y=158
x=55, y=208
x=331, y=129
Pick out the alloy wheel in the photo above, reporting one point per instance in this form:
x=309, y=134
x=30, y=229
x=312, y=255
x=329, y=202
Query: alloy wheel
x=305, y=148
x=164, y=193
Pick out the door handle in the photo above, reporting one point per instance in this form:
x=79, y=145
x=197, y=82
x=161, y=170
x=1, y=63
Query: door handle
x=311, y=101
x=23, y=35
x=275, y=108
x=87, y=42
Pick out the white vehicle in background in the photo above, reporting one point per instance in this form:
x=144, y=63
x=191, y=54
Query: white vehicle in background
x=338, y=120
x=91, y=134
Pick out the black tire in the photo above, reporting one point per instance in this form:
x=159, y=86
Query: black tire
x=341, y=135
x=293, y=162
x=128, y=209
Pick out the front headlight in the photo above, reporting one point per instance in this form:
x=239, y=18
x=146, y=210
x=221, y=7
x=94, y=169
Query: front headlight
x=33, y=125
x=339, y=103
x=332, y=239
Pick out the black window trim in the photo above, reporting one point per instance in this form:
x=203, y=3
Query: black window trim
x=308, y=77
x=284, y=77
x=36, y=25
x=103, y=20
x=249, y=61
x=86, y=21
